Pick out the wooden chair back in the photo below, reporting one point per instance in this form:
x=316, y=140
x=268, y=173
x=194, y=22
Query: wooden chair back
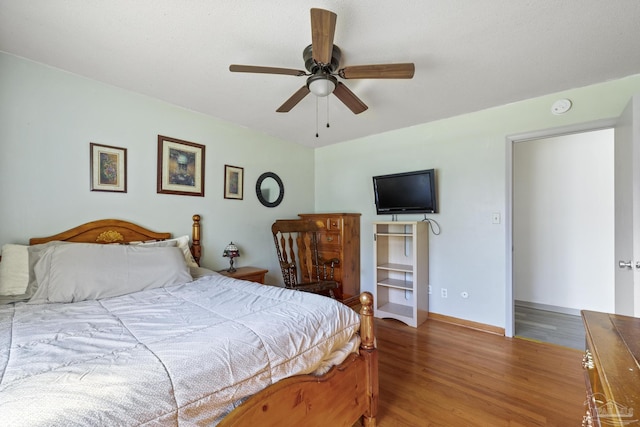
x=296, y=244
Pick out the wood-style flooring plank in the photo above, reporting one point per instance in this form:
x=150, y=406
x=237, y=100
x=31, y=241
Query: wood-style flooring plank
x=441, y=374
x=548, y=326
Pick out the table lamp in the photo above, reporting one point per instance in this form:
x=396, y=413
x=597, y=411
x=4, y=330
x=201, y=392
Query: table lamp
x=231, y=252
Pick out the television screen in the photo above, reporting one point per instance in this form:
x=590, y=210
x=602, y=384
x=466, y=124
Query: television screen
x=405, y=193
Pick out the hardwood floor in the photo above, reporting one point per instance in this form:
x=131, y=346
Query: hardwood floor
x=549, y=326
x=441, y=374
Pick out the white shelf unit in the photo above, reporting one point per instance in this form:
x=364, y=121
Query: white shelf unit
x=401, y=262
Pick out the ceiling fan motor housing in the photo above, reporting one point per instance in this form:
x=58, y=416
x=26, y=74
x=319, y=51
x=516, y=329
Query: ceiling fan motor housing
x=313, y=67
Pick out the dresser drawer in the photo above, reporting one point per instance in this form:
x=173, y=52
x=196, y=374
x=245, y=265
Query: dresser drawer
x=329, y=223
x=328, y=238
x=327, y=252
x=334, y=223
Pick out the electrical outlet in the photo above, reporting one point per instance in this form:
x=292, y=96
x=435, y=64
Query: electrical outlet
x=429, y=289
x=443, y=292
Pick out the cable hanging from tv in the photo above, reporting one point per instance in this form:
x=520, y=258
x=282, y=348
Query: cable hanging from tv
x=431, y=222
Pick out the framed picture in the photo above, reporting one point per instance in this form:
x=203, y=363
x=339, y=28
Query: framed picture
x=180, y=167
x=233, y=182
x=108, y=168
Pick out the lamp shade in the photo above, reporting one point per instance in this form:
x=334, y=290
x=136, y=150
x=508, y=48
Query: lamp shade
x=321, y=85
x=231, y=251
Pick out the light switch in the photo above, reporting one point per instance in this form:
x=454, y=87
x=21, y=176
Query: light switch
x=495, y=218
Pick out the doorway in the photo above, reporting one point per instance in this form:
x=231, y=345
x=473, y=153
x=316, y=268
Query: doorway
x=549, y=219
x=563, y=234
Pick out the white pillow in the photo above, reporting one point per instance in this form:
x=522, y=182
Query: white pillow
x=79, y=272
x=14, y=269
x=181, y=242
x=34, y=251
x=198, y=272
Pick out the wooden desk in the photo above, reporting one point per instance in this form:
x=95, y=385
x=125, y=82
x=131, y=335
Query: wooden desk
x=611, y=369
x=252, y=274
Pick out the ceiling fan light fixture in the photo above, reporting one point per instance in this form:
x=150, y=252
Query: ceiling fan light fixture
x=322, y=85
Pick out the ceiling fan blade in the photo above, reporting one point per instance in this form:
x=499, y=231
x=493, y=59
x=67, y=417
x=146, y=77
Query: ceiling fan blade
x=293, y=101
x=265, y=70
x=323, y=28
x=349, y=98
x=378, y=71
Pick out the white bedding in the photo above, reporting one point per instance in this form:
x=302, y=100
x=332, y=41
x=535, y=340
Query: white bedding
x=155, y=357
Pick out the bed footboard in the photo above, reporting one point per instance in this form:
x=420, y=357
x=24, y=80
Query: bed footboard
x=345, y=394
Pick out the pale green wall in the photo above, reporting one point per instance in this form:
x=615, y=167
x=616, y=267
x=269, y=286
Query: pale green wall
x=469, y=153
x=47, y=120
x=49, y=117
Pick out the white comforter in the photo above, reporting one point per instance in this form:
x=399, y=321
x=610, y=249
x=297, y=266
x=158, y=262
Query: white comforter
x=157, y=357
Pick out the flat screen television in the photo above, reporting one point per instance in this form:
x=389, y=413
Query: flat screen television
x=406, y=193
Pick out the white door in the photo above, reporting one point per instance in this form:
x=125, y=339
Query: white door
x=627, y=210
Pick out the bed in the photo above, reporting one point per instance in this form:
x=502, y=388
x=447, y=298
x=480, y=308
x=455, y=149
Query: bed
x=193, y=348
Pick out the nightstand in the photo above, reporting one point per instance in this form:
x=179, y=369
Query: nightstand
x=252, y=274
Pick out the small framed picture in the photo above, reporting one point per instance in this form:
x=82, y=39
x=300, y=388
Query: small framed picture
x=180, y=167
x=108, y=168
x=233, y=182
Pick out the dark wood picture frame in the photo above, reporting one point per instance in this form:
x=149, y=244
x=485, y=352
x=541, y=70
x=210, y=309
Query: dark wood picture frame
x=180, y=167
x=233, y=182
x=108, y=166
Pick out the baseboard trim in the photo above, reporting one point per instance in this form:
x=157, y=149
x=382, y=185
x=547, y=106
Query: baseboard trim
x=467, y=323
x=546, y=307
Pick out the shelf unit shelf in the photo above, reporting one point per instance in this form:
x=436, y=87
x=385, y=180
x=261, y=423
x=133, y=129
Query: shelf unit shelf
x=396, y=283
x=396, y=267
x=398, y=310
x=401, y=270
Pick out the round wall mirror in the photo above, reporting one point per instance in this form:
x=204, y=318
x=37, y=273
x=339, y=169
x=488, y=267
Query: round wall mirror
x=269, y=189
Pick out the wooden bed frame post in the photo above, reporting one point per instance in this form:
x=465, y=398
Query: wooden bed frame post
x=196, y=249
x=368, y=351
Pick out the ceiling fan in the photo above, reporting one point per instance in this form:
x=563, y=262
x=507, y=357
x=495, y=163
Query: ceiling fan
x=322, y=59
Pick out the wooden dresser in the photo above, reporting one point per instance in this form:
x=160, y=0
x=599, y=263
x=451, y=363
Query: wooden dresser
x=612, y=369
x=340, y=239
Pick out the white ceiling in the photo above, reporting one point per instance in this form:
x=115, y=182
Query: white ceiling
x=469, y=54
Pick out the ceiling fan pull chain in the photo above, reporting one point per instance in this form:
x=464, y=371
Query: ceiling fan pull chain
x=317, y=117
x=327, y=111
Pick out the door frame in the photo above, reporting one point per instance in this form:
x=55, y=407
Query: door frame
x=510, y=141
x=627, y=228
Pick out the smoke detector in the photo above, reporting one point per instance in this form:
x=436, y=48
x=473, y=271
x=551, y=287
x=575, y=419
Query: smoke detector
x=561, y=106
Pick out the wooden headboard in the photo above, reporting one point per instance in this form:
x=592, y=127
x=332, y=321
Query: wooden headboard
x=119, y=231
